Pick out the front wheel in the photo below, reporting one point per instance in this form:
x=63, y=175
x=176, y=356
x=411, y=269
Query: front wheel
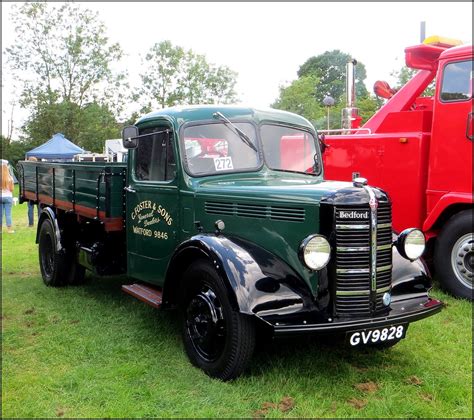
x=454, y=255
x=217, y=338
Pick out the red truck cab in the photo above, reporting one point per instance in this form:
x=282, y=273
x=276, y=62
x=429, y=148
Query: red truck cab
x=419, y=150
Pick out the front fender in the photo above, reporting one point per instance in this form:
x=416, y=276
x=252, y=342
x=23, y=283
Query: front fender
x=409, y=278
x=258, y=282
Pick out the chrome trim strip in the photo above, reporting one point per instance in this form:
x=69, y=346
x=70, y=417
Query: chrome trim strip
x=362, y=248
x=352, y=226
x=361, y=292
x=373, y=237
x=352, y=248
x=360, y=226
x=352, y=270
x=384, y=268
x=353, y=292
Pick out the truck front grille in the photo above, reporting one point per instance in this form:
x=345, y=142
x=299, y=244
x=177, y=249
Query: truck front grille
x=354, y=293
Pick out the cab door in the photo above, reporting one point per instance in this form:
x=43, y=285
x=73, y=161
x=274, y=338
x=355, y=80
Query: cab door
x=152, y=204
x=451, y=143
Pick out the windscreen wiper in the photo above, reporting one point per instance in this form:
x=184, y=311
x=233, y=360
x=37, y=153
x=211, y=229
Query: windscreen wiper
x=242, y=135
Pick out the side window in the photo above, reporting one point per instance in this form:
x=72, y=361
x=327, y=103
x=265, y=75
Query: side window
x=457, y=82
x=155, y=160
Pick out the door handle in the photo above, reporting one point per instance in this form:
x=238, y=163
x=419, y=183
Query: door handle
x=469, y=134
x=130, y=189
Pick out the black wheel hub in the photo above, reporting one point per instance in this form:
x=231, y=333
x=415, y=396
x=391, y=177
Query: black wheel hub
x=205, y=324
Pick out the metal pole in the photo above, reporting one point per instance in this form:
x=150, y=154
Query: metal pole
x=422, y=31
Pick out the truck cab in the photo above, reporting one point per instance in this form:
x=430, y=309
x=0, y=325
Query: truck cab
x=419, y=150
x=219, y=224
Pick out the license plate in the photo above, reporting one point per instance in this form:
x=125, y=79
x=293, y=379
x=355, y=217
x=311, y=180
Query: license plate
x=376, y=335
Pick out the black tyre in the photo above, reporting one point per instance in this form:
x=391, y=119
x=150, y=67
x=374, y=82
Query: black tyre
x=54, y=264
x=217, y=338
x=454, y=255
x=58, y=268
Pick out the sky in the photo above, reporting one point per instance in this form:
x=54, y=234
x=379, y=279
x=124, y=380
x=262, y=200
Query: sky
x=266, y=43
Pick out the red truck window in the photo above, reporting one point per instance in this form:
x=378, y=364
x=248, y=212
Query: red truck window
x=457, y=82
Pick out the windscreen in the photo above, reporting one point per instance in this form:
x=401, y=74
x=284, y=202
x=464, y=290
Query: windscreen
x=218, y=148
x=290, y=149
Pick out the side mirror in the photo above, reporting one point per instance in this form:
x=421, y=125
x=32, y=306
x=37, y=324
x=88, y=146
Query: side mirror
x=129, y=137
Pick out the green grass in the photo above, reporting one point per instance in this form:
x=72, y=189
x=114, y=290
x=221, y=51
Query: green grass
x=91, y=351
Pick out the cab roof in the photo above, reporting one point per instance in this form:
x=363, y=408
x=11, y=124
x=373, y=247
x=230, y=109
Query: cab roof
x=459, y=51
x=190, y=113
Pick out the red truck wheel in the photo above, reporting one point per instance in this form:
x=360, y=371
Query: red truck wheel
x=454, y=255
x=217, y=338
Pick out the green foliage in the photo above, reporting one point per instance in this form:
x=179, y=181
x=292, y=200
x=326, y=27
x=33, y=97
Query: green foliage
x=174, y=76
x=317, y=77
x=63, y=60
x=93, y=352
x=330, y=70
x=405, y=74
x=299, y=97
x=62, y=54
x=13, y=151
x=87, y=126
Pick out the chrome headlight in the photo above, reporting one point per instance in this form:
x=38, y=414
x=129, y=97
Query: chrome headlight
x=411, y=244
x=315, y=252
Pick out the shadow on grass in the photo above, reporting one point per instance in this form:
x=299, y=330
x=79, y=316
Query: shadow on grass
x=325, y=356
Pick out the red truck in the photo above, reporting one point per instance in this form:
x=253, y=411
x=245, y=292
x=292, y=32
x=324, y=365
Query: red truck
x=419, y=150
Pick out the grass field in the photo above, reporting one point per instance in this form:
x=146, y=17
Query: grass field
x=90, y=351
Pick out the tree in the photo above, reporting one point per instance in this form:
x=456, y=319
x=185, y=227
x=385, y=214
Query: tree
x=330, y=70
x=88, y=126
x=175, y=76
x=300, y=97
x=324, y=75
x=13, y=151
x=405, y=74
x=62, y=54
x=63, y=61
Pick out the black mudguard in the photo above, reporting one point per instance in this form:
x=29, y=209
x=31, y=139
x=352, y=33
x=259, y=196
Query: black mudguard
x=259, y=283
x=48, y=213
x=410, y=279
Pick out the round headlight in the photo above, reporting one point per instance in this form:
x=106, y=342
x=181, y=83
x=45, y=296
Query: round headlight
x=315, y=252
x=411, y=244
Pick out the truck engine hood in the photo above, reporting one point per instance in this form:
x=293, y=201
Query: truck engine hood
x=281, y=188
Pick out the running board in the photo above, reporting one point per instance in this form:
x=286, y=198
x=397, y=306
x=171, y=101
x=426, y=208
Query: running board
x=145, y=293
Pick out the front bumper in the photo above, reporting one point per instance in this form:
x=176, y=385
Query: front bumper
x=402, y=312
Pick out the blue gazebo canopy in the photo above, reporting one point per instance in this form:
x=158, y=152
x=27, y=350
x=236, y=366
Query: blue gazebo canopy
x=57, y=147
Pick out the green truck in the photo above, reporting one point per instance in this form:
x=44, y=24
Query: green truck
x=224, y=213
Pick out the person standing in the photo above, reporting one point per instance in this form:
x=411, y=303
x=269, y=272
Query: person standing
x=31, y=204
x=7, y=197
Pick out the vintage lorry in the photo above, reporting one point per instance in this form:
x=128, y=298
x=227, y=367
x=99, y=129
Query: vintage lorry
x=418, y=148
x=206, y=216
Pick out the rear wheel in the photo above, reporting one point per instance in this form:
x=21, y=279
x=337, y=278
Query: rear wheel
x=217, y=338
x=59, y=267
x=53, y=262
x=454, y=255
